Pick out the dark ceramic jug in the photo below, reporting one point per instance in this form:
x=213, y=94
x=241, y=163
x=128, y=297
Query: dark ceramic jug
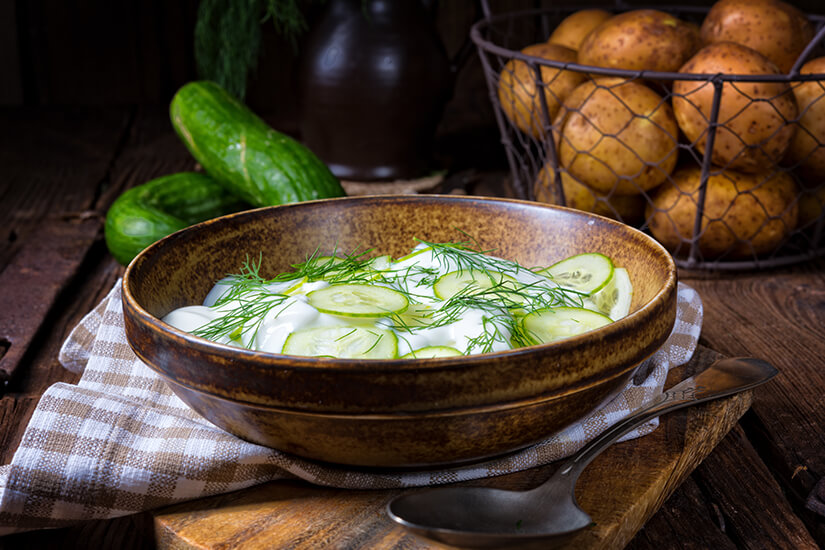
x=374, y=79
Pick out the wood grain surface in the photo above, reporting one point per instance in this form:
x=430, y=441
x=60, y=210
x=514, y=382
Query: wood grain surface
x=749, y=492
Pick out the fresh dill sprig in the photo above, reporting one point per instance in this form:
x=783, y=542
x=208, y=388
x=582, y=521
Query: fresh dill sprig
x=254, y=301
x=330, y=268
x=466, y=258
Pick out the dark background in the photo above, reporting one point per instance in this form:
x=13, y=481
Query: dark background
x=138, y=52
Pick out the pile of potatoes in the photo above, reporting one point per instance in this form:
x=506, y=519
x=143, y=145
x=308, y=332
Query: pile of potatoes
x=618, y=141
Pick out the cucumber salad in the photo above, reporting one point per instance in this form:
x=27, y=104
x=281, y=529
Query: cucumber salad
x=442, y=299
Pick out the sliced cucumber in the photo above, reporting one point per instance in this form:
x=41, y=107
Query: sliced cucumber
x=614, y=299
x=549, y=325
x=345, y=342
x=380, y=263
x=327, y=261
x=450, y=284
x=296, y=287
x=432, y=351
x=358, y=300
x=373, y=268
x=416, y=315
x=413, y=254
x=586, y=273
x=419, y=256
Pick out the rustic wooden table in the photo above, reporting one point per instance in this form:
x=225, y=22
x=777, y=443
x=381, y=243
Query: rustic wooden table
x=62, y=168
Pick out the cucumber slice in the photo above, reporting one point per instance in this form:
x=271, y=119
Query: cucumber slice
x=548, y=325
x=372, y=269
x=380, y=263
x=328, y=261
x=413, y=254
x=450, y=284
x=418, y=257
x=586, y=273
x=416, y=315
x=296, y=287
x=345, y=342
x=358, y=300
x=614, y=299
x=432, y=351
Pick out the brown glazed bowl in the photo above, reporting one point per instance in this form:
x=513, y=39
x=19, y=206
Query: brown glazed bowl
x=401, y=412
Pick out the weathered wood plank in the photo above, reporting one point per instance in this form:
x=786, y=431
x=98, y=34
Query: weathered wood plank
x=41, y=367
x=751, y=504
x=685, y=522
x=51, y=239
x=778, y=315
x=31, y=284
x=54, y=163
x=15, y=411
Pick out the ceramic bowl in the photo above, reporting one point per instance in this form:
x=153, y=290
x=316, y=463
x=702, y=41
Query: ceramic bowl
x=394, y=413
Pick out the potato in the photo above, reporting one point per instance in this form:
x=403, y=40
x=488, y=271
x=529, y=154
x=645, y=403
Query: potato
x=775, y=29
x=807, y=149
x=640, y=40
x=517, y=87
x=629, y=209
x=616, y=136
x=754, y=117
x=744, y=214
x=574, y=28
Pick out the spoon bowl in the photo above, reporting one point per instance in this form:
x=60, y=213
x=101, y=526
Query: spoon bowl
x=492, y=518
x=548, y=515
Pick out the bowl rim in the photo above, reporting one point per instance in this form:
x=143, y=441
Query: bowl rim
x=299, y=363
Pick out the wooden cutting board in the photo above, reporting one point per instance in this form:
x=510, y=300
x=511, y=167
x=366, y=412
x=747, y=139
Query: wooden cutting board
x=620, y=490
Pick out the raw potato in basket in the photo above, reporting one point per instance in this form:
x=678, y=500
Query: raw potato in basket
x=755, y=117
x=774, y=28
x=517, y=87
x=744, y=214
x=640, y=40
x=807, y=150
x=629, y=209
x=574, y=28
x=617, y=136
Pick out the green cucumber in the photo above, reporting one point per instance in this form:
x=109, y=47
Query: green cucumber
x=614, y=299
x=253, y=161
x=455, y=282
x=587, y=273
x=548, y=325
x=358, y=300
x=149, y=212
x=348, y=342
x=432, y=352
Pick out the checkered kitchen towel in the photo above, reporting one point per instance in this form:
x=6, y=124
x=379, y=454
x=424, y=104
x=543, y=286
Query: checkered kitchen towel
x=121, y=442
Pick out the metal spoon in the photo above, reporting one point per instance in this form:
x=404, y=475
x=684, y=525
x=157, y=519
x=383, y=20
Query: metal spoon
x=548, y=515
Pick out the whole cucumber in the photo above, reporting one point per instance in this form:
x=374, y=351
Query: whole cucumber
x=258, y=164
x=149, y=212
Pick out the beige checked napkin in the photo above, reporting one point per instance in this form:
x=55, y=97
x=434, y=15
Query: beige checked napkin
x=121, y=442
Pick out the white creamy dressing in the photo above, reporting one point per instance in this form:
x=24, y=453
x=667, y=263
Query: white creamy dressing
x=295, y=313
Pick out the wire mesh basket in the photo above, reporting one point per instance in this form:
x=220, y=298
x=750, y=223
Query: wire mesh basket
x=726, y=170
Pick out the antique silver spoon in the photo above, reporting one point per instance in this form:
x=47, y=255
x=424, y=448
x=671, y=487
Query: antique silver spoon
x=548, y=516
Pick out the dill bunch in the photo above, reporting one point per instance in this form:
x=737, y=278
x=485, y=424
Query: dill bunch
x=228, y=37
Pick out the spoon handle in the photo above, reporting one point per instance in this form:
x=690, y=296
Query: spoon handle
x=724, y=377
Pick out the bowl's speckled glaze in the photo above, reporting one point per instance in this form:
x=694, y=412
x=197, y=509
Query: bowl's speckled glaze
x=397, y=413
